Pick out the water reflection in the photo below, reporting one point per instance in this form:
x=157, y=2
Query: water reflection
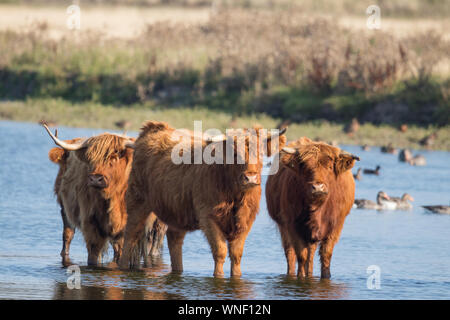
x=310, y=288
x=153, y=283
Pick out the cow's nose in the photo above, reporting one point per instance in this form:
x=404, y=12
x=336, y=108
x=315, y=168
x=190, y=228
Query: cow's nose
x=318, y=187
x=251, y=179
x=97, y=180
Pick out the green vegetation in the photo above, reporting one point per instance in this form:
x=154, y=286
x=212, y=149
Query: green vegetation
x=243, y=62
x=95, y=115
x=241, y=65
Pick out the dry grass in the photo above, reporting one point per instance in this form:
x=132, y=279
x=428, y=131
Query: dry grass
x=128, y=21
x=285, y=63
x=119, y=22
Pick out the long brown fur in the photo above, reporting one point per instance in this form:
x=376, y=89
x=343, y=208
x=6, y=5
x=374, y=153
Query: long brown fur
x=189, y=197
x=305, y=221
x=100, y=214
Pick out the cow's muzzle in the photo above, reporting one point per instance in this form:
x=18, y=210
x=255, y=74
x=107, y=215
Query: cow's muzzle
x=250, y=180
x=319, y=189
x=97, y=181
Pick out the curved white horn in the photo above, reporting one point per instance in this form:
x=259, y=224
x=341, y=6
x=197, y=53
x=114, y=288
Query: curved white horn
x=129, y=144
x=279, y=133
x=61, y=143
x=289, y=150
x=220, y=137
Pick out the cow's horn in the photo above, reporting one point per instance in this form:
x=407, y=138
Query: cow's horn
x=279, y=133
x=129, y=144
x=351, y=155
x=289, y=150
x=218, y=138
x=61, y=143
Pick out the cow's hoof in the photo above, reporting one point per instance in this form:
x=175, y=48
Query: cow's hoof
x=325, y=274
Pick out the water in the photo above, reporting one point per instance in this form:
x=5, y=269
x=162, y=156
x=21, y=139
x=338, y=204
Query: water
x=411, y=248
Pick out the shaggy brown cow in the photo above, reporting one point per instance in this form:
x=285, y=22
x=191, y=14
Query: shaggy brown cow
x=90, y=188
x=309, y=198
x=220, y=199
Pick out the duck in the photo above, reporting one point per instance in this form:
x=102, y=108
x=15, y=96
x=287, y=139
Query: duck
x=383, y=202
x=418, y=160
x=402, y=203
x=405, y=155
x=386, y=203
x=365, y=147
x=429, y=140
x=438, y=209
x=123, y=124
x=358, y=174
x=389, y=149
x=370, y=171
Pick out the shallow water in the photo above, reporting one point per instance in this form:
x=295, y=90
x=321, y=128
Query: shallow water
x=411, y=248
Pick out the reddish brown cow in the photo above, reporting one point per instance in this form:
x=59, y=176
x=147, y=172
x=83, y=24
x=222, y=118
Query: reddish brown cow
x=90, y=188
x=220, y=199
x=309, y=198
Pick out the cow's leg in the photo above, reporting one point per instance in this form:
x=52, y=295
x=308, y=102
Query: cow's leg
x=95, y=245
x=236, y=248
x=310, y=260
x=217, y=242
x=68, y=233
x=117, y=245
x=134, y=232
x=301, y=251
x=289, y=252
x=95, y=238
x=175, y=240
x=326, y=251
x=159, y=231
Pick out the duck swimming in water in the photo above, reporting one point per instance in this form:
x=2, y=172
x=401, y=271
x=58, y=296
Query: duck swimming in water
x=388, y=149
x=384, y=202
x=370, y=171
x=438, y=209
x=402, y=203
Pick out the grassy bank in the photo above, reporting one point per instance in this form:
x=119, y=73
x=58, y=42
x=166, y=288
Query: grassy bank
x=94, y=115
x=280, y=63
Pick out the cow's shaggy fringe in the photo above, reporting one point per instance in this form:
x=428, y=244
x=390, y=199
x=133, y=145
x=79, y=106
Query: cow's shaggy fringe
x=103, y=147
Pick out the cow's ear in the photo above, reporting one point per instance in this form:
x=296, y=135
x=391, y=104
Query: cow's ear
x=57, y=155
x=344, y=162
x=289, y=158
